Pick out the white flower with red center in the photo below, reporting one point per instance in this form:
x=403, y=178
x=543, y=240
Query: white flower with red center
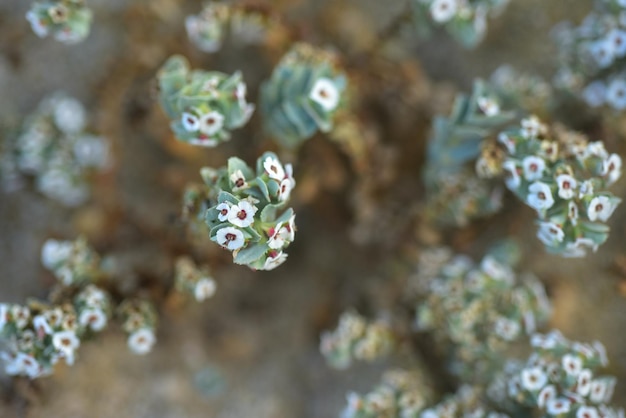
x=191, y=123
x=547, y=394
x=587, y=412
x=28, y=365
x=66, y=342
x=41, y=326
x=583, y=384
x=20, y=315
x=287, y=184
x=512, y=178
x=616, y=94
x=578, y=248
x=572, y=212
x=274, y=259
x=567, y=186
x=532, y=127
x=242, y=214
x=211, y=123
x=204, y=289
x=277, y=237
x=598, y=391
x=533, y=168
x=558, y=406
x=54, y=316
x=612, y=168
x=572, y=365
x=443, y=11
x=539, y=196
x=603, y=53
x=506, y=328
x=95, y=319
x=238, y=180
x=223, y=211
x=274, y=168
x=325, y=94
x=141, y=341
x=507, y=141
x=549, y=150
x=231, y=238
x=488, y=105
x=533, y=379
x=601, y=208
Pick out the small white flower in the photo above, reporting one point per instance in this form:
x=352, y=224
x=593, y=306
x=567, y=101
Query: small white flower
x=572, y=365
x=595, y=94
x=274, y=260
x=95, y=319
x=28, y=365
x=443, y=10
x=587, y=412
x=539, y=196
x=547, y=394
x=4, y=315
x=558, y=406
x=586, y=189
x=602, y=52
x=190, y=122
x=54, y=252
x=616, y=94
x=596, y=149
x=579, y=248
x=231, y=238
x=20, y=315
x=601, y=351
x=282, y=234
x=211, y=123
x=242, y=214
x=284, y=190
x=567, y=186
x=533, y=168
x=325, y=94
x=205, y=288
x=507, y=141
x=549, y=150
x=41, y=326
x=533, y=379
x=238, y=180
x=513, y=179
x=66, y=342
x=507, y=329
x=38, y=25
x=223, y=210
x=601, y=208
x=618, y=38
x=550, y=233
x=496, y=270
x=532, y=127
x=598, y=391
x=612, y=168
x=54, y=316
x=69, y=115
x=489, y=106
x=141, y=341
x=583, y=385
x=274, y=168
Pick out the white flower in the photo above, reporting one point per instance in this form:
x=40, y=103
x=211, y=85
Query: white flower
x=274, y=260
x=211, y=123
x=579, y=248
x=601, y=351
x=66, y=343
x=325, y=94
x=586, y=189
x=583, y=385
x=95, y=319
x=532, y=127
x=190, y=122
x=242, y=214
x=28, y=365
x=204, y=289
x=141, y=341
x=587, y=412
x=231, y=238
x=507, y=329
x=533, y=168
x=595, y=94
x=443, y=10
x=550, y=233
x=41, y=326
x=513, y=179
x=539, y=196
x=558, y=406
x=223, y=210
x=547, y=394
x=274, y=168
x=616, y=94
x=598, y=391
x=69, y=115
x=240, y=94
x=602, y=52
x=596, y=149
x=549, y=150
x=572, y=364
x=54, y=316
x=567, y=185
x=20, y=315
x=533, y=379
x=612, y=168
x=489, y=106
x=4, y=315
x=496, y=270
x=238, y=180
x=38, y=25
x=601, y=208
x=507, y=141
x=54, y=252
x=618, y=38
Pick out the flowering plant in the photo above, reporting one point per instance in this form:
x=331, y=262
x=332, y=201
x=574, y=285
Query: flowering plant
x=68, y=21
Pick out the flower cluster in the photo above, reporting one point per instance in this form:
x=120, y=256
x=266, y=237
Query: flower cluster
x=303, y=95
x=478, y=311
x=247, y=215
x=356, y=338
x=204, y=106
x=563, y=177
x=454, y=194
x=401, y=393
x=54, y=147
x=465, y=20
x=593, y=55
x=466, y=402
x=208, y=29
x=560, y=378
x=194, y=280
x=93, y=308
x=68, y=21
x=139, y=320
x=72, y=262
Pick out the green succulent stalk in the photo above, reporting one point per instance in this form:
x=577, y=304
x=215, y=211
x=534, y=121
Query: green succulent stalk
x=68, y=21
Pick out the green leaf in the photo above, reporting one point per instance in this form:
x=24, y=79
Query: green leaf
x=227, y=197
x=251, y=254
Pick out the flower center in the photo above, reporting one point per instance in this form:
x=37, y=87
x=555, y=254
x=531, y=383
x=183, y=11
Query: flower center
x=224, y=211
x=599, y=207
x=541, y=196
x=566, y=185
x=240, y=182
x=230, y=237
x=242, y=215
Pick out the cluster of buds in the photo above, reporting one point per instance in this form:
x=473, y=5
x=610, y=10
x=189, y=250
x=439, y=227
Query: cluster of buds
x=68, y=21
x=563, y=177
x=139, y=321
x=465, y=20
x=204, y=106
x=247, y=215
x=356, y=338
x=54, y=147
x=478, y=311
x=468, y=401
x=303, y=95
x=93, y=308
x=402, y=394
x=208, y=29
x=593, y=55
x=455, y=195
x=73, y=263
x=560, y=378
x=194, y=280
